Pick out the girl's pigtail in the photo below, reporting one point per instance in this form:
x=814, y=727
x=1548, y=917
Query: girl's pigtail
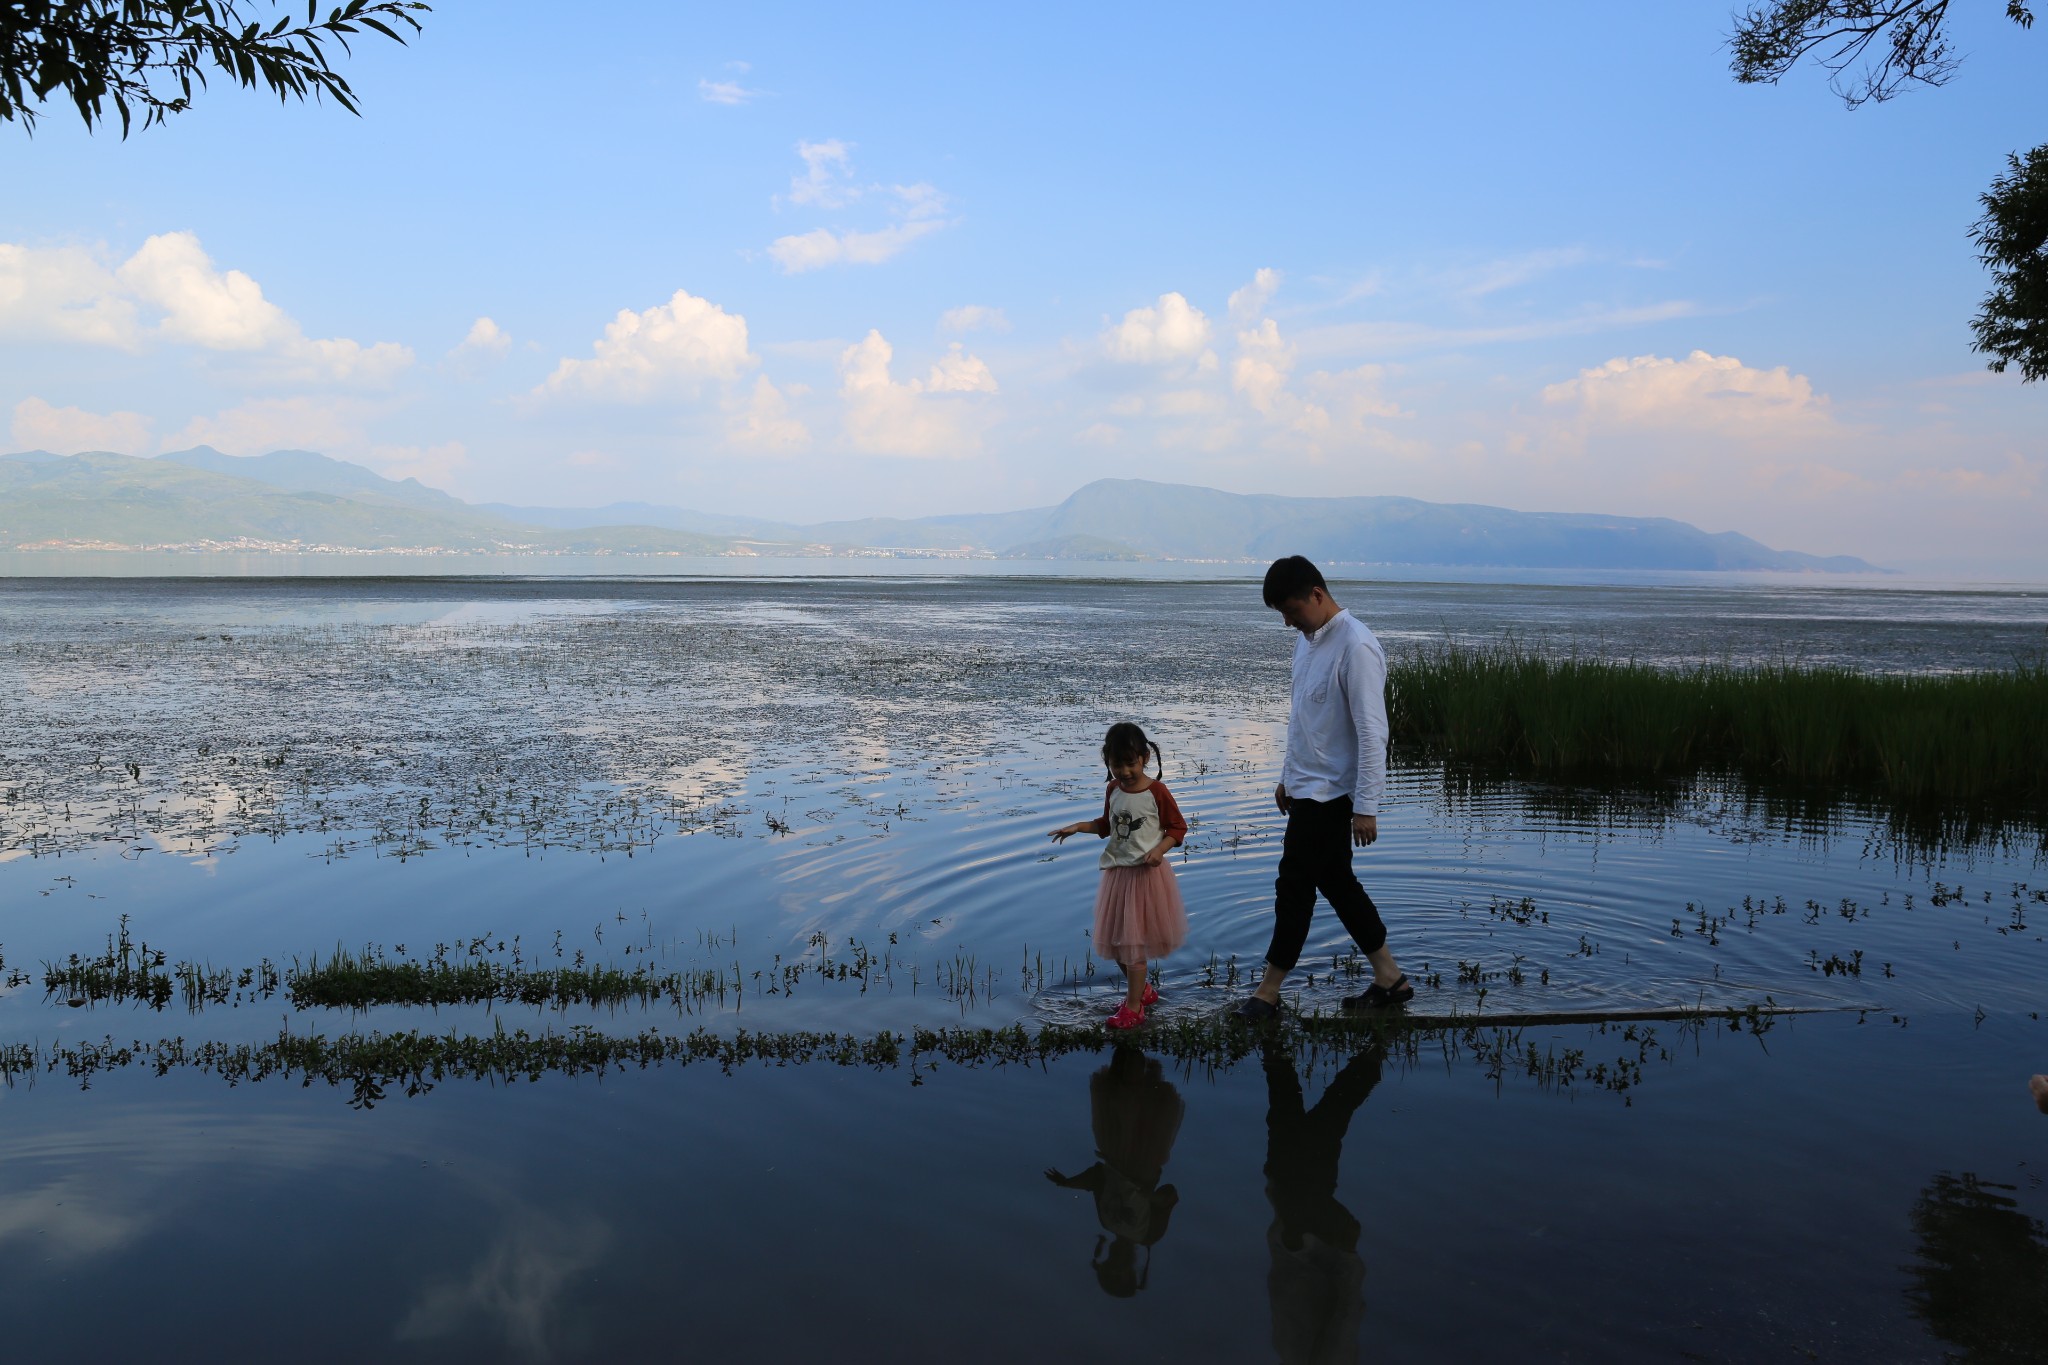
x=1159, y=758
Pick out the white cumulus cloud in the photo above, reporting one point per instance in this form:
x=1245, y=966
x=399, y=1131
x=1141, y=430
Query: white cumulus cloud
x=766, y=423
x=266, y=424
x=1260, y=370
x=1353, y=395
x=64, y=294
x=222, y=310
x=821, y=247
x=1710, y=438
x=67, y=431
x=1168, y=332
x=827, y=179
x=169, y=290
x=1327, y=410
x=669, y=350
x=917, y=418
x=1702, y=391
x=974, y=317
x=958, y=372
x=827, y=182
x=919, y=201
x=724, y=92
x=1248, y=303
x=484, y=337
x=343, y=361
x=435, y=466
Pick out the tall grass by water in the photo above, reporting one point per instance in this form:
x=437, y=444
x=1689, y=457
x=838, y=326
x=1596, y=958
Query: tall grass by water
x=1963, y=738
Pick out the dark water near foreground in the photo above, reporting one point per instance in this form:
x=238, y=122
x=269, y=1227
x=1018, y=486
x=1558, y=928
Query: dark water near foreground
x=736, y=779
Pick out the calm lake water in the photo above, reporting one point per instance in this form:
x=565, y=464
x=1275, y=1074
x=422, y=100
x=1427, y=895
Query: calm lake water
x=825, y=802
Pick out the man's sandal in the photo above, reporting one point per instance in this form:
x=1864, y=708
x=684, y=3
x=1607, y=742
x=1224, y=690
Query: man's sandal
x=1252, y=1010
x=1378, y=997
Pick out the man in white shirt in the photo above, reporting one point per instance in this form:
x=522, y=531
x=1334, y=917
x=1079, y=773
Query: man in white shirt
x=1330, y=786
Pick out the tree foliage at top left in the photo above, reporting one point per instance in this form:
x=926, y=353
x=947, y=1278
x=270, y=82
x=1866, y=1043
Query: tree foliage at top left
x=144, y=58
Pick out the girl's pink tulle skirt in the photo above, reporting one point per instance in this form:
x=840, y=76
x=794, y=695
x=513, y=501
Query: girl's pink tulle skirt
x=1138, y=914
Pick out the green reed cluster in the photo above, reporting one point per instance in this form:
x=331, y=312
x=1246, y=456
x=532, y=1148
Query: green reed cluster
x=487, y=970
x=1924, y=738
x=358, y=980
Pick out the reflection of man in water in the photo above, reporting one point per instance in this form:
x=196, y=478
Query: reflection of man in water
x=1136, y=1114
x=1317, y=1283
x=1981, y=1280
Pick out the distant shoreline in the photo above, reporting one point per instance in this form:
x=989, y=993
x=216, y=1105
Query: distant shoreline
x=28, y=565
x=200, y=501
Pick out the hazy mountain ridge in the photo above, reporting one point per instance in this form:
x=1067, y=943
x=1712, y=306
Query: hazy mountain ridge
x=99, y=498
x=1140, y=519
x=304, y=471
x=301, y=497
x=1181, y=522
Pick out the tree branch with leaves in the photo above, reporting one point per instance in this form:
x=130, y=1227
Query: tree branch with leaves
x=1888, y=44
x=2012, y=241
x=1872, y=50
x=145, y=58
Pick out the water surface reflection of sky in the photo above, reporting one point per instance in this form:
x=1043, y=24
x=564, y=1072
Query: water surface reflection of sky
x=736, y=776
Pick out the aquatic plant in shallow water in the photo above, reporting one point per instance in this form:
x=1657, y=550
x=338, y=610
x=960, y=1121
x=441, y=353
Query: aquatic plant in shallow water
x=485, y=970
x=636, y=972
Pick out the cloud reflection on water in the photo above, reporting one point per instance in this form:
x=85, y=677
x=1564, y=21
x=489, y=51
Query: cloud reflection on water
x=515, y=1291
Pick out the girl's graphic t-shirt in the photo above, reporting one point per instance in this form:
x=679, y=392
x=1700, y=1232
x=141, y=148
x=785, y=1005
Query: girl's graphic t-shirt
x=1135, y=820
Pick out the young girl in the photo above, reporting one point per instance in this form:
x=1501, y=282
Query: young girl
x=1138, y=910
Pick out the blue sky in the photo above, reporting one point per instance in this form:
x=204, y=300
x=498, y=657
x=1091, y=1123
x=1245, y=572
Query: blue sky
x=806, y=261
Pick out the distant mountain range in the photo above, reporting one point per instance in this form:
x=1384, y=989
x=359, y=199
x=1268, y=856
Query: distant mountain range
x=288, y=499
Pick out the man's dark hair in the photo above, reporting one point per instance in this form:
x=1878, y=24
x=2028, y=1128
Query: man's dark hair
x=1291, y=578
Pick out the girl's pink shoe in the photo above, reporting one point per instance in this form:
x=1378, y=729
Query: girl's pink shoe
x=1151, y=996
x=1126, y=1018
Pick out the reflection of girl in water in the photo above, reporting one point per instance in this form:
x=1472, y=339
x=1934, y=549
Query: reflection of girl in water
x=1136, y=1114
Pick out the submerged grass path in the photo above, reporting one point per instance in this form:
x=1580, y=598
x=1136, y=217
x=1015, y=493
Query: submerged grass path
x=480, y=972
x=413, y=1062
x=371, y=1064
x=1962, y=738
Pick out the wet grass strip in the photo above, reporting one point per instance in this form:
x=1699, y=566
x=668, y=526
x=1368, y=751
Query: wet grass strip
x=1961, y=737
x=372, y=1066
x=485, y=971
x=359, y=980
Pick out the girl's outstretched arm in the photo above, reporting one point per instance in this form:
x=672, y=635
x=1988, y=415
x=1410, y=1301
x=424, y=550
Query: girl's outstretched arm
x=1099, y=827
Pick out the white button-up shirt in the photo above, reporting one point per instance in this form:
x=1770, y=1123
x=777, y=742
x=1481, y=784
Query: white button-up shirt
x=1337, y=729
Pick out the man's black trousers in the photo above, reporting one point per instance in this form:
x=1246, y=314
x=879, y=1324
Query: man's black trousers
x=1316, y=856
